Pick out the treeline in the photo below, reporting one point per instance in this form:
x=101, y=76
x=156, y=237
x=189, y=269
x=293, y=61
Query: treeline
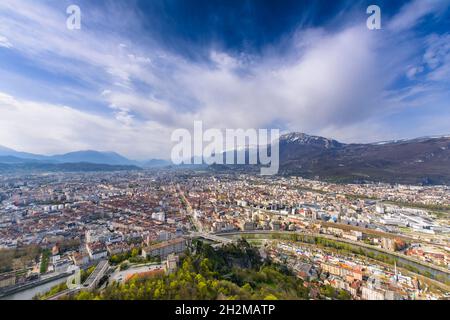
x=334, y=293
x=45, y=258
x=121, y=257
x=235, y=271
x=53, y=291
x=131, y=256
x=417, y=205
x=25, y=256
x=19, y=258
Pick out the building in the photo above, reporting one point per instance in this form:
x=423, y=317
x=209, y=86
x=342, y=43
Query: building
x=371, y=294
x=80, y=259
x=171, y=263
x=388, y=244
x=248, y=226
x=353, y=235
x=96, y=250
x=164, y=249
x=62, y=265
x=379, y=208
x=276, y=225
x=117, y=248
x=160, y=216
x=7, y=279
x=97, y=235
x=165, y=236
x=305, y=271
x=331, y=268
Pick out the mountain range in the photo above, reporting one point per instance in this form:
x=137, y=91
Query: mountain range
x=10, y=156
x=423, y=160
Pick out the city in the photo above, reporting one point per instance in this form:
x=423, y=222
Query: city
x=362, y=239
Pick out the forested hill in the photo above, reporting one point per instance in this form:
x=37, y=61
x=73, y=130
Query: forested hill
x=232, y=272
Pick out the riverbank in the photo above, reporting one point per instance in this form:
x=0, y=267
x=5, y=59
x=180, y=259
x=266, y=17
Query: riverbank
x=28, y=290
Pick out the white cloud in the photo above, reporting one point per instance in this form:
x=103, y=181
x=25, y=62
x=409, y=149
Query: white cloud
x=336, y=80
x=46, y=128
x=413, y=71
x=4, y=42
x=333, y=83
x=414, y=11
x=437, y=57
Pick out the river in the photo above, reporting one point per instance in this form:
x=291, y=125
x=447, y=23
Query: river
x=28, y=294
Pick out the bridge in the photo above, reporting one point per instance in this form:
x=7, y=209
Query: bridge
x=94, y=278
x=212, y=237
x=90, y=284
x=64, y=293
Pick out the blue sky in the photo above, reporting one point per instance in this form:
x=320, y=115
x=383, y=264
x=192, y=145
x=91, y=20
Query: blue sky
x=137, y=70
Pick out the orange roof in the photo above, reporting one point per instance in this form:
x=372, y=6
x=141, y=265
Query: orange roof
x=145, y=274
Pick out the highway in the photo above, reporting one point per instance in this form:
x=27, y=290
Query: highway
x=210, y=236
x=94, y=278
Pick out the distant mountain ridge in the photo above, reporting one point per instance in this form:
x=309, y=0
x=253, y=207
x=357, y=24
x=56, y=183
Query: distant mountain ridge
x=4, y=151
x=305, y=139
x=92, y=156
x=424, y=160
x=10, y=156
x=39, y=166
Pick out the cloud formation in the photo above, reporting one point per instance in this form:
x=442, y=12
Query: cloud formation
x=61, y=128
x=4, y=42
x=128, y=93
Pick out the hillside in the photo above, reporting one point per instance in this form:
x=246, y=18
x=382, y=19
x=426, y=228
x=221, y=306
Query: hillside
x=416, y=161
x=231, y=272
x=424, y=161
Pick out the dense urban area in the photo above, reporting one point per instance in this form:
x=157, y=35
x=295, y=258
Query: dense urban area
x=181, y=234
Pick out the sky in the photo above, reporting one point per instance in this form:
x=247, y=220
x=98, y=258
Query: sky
x=138, y=70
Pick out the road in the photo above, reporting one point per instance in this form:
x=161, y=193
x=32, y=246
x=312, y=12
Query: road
x=210, y=236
